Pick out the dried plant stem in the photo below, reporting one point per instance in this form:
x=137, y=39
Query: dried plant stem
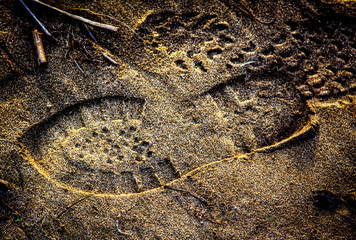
x=107, y=57
x=36, y=19
x=11, y=58
x=9, y=207
x=89, y=32
x=70, y=206
x=82, y=19
x=80, y=69
x=37, y=39
x=103, y=15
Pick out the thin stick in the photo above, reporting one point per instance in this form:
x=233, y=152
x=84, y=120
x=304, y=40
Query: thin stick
x=246, y=63
x=99, y=14
x=82, y=19
x=78, y=65
x=11, y=208
x=67, y=44
x=185, y=191
x=107, y=57
x=89, y=32
x=70, y=206
x=36, y=19
x=40, y=53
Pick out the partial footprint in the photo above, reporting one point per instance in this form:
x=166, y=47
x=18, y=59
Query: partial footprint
x=103, y=146
x=194, y=50
x=98, y=147
x=120, y=146
x=255, y=112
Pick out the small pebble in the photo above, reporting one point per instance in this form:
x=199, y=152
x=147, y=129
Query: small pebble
x=292, y=64
x=301, y=55
x=326, y=73
x=339, y=63
x=331, y=49
x=343, y=90
x=335, y=87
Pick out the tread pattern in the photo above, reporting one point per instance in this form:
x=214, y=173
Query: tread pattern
x=216, y=48
x=255, y=113
x=103, y=146
x=99, y=147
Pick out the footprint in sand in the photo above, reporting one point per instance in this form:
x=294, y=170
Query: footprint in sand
x=115, y=146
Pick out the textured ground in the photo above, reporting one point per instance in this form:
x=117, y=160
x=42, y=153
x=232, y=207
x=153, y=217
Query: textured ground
x=219, y=120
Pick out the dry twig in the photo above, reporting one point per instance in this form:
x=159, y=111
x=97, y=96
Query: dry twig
x=107, y=57
x=37, y=39
x=77, y=65
x=71, y=205
x=103, y=15
x=82, y=19
x=44, y=29
x=89, y=32
x=9, y=207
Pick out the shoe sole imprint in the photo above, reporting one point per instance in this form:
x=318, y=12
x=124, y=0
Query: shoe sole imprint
x=101, y=147
x=190, y=45
x=97, y=147
x=215, y=47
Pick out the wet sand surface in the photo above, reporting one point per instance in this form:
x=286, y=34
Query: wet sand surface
x=195, y=120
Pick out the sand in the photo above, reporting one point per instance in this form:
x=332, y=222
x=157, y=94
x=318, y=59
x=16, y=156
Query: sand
x=195, y=120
